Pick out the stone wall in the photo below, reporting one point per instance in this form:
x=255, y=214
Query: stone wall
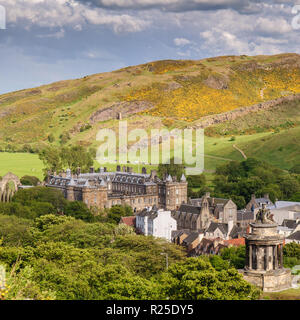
x=240, y=112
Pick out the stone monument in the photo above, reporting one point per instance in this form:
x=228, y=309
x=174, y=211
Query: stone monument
x=264, y=255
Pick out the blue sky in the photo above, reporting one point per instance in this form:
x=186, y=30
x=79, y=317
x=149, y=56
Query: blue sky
x=51, y=40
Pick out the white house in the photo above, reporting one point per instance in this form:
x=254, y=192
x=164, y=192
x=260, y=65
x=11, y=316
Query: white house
x=282, y=210
x=156, y=223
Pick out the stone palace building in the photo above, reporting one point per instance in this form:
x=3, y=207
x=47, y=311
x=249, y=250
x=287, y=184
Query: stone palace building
x=105, y=189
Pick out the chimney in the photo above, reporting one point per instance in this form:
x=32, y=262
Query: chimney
x=124, y=169
x=92, y=170
x=153, y=174
x=207, y=195
x=78, y=171
x=174, y=178
x=266, y=196
x=118, y=168
x=144, y=170
x=105, y=169
x=253, y=196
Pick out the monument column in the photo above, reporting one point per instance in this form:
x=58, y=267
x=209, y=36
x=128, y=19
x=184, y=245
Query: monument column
x=264, y=257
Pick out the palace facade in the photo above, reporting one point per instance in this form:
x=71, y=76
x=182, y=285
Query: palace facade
x=105, y=189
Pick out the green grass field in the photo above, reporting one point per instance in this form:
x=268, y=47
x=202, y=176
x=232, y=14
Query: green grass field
x=290, y=294
x=279, y=149
x=21, y=164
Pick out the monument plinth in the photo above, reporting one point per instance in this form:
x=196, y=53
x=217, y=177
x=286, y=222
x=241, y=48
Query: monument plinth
x=264, y=255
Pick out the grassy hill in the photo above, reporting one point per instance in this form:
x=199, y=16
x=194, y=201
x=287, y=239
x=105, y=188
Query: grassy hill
x=166, y=94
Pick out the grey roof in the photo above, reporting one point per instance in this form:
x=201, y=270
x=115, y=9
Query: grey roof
x=189, y=209
x=245, y=215
x=284, y=204
x=192, y=237
x=264, y=200
x=291, y=224
x=214, y=225
x=236, y=232
x=294, y=236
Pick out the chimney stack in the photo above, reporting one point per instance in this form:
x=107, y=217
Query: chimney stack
x=92, y=170
x=118, y=168
x=144, y=170
x=105, y=169
x=124, y=169
x=78, y=171
x=153, y=174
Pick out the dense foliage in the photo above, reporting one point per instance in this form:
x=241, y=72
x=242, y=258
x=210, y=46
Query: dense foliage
x=30, y=181
x=56, y=159
x=173, y=169
x=291, y=255
x=59, y=256
x=239, y=180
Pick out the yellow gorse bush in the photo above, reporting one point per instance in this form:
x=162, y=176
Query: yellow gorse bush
x=195, y=99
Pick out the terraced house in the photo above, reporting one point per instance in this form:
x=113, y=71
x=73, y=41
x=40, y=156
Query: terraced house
x=105, y=189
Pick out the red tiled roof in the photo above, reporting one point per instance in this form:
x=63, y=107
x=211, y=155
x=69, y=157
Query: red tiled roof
x=235, y=242
x=130, y=221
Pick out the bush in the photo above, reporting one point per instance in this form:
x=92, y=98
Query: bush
x=30, y=181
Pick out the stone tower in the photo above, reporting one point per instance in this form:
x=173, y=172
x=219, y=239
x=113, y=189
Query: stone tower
x=264, y=255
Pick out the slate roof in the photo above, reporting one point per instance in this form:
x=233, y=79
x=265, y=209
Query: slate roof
x=214, y=225
x=178, y=233
x=286, y=204
x=291, y=224
x=294, y=236
x=189, y=209
x=237, y=232
x=191, y=238
x=245, y=215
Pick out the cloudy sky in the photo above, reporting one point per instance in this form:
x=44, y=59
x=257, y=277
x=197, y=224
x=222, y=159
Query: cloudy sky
x=50, y=40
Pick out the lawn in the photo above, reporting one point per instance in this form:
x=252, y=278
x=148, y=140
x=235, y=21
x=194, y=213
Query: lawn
x=21, y=164
x=290, y=294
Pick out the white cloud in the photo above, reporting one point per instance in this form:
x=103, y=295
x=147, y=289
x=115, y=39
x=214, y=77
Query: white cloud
x=62, y=13
x=272, y=25
x=181, y=42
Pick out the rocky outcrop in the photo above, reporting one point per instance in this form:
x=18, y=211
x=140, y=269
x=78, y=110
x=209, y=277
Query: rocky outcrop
x=240, y=112
x=214, y=82
x=124, y=108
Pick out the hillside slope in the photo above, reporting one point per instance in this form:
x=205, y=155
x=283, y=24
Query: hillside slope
x=162, y=93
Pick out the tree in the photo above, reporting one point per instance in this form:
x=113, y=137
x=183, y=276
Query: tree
x=78, y=210
x=175, y=170
x=76, y=156
x=235, y=256
x=41, y=194
x=56, y=159
x=196, y=279
x=117, y=212
x=30, y=181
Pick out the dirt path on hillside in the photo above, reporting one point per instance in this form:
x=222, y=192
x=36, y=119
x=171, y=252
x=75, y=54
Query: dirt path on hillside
x=241, y=151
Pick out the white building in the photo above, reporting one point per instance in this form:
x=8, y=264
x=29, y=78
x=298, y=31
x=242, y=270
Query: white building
x=283, y=210
x=156, y=223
